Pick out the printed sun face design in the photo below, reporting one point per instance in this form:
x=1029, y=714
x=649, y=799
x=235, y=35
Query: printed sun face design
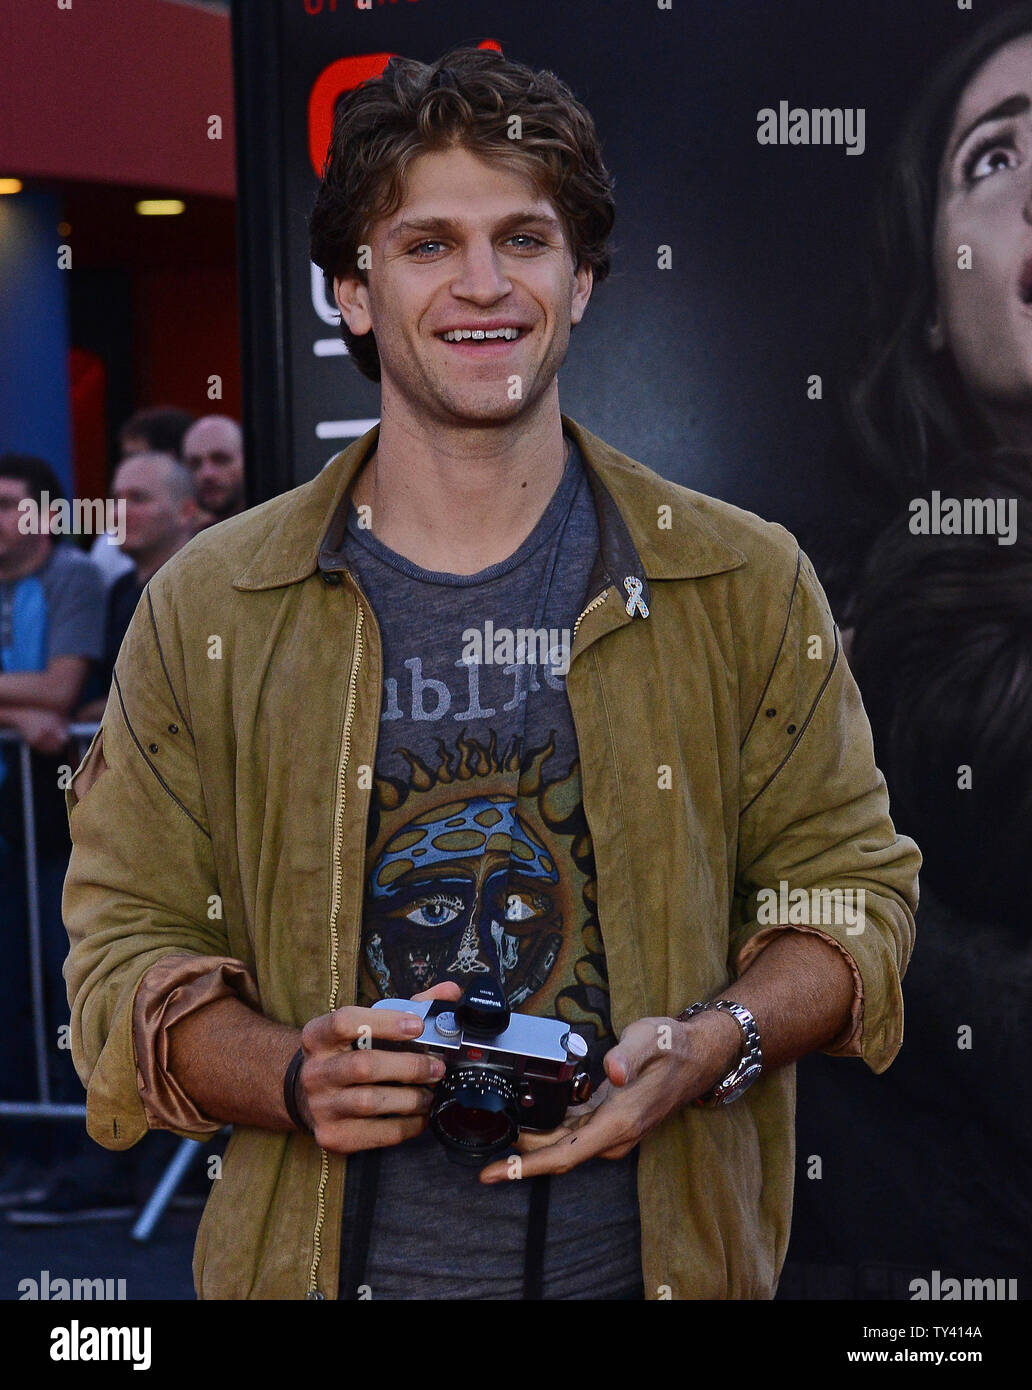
x=466, y=889
x=464, y=879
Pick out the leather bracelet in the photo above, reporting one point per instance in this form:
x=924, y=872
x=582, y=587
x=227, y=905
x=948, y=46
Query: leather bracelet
x=290, y=1092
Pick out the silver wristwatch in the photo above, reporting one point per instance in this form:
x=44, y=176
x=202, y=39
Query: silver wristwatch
x=750, y=1064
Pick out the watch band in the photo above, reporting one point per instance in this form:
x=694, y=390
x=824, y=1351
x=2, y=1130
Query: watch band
x=750, y=1065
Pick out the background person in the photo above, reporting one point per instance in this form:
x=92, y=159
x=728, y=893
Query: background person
x=51, y=633
x=89, y=1185
x=213, y=450
x=156, y=430
x=943, y=374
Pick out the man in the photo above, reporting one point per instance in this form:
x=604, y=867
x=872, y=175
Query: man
x=213, y=450
x=51, y=630
x=321, y=780
x=156, y=430
x=156, y=491
x=52, y=608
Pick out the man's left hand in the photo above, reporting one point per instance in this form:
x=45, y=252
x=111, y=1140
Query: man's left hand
x=657, y=1066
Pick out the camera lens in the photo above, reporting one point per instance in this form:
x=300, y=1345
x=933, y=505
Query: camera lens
x=475, y=1114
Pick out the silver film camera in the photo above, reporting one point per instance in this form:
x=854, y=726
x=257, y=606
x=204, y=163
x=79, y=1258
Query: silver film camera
x=504, y=1071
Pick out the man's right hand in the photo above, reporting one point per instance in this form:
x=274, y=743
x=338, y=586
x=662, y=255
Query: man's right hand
x=355, y=1096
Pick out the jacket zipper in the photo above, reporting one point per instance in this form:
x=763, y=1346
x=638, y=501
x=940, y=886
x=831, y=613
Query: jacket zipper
x=599, y=598
x=338, y=836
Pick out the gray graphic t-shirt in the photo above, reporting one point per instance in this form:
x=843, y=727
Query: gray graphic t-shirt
x=479, y=863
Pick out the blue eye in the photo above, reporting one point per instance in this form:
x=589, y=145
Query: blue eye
x=435, y=912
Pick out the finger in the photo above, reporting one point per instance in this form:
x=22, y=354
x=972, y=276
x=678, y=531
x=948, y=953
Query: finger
x=575, y=1118
x=362, y=1066
x=353, y=1024
x=353, y=1136
x=528, y=1141
x=373, y=1102
x=639, y=1043
x=601, y=1094
x=447, y=989
x=605, y=1129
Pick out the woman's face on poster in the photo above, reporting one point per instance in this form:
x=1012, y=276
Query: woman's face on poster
x=983, y=309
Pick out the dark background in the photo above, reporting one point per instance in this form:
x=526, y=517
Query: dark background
x=700, y=372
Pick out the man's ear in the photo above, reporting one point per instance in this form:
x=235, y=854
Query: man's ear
x=352, y=299
x=935, y=333
x=583, y=282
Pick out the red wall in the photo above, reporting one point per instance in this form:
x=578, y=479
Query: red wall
x=187, y=329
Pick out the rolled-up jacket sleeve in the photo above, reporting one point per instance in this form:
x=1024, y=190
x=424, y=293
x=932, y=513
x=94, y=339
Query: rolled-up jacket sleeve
x=141, y=883
x=815, y=817
x=174, y=989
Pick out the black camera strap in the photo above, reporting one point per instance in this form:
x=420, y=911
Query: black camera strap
x=363, y=1169
x=537, y=1230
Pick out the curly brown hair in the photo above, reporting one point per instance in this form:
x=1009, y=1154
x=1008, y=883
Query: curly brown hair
x=468, y=98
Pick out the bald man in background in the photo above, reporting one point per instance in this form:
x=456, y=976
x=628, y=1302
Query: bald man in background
x=161, y=515
x=213, y=450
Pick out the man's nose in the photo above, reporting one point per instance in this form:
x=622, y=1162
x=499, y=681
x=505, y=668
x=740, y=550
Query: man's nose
x=481, y=276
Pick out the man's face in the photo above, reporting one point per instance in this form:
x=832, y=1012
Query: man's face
x=153, y=519
x=213, y=451
x=14, y=545
x=984, y=312
x=472, y=246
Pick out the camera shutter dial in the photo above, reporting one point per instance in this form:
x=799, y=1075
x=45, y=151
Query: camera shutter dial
x=447, y=1025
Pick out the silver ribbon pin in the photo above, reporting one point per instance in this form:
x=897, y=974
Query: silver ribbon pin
x=635, y=602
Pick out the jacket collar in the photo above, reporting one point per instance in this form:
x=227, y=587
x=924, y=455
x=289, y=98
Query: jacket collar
x=637, y=538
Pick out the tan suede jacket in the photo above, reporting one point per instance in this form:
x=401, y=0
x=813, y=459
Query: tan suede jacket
x=724, y=751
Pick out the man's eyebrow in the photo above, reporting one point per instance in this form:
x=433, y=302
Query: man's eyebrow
x=526, y=217
x=1015, y=105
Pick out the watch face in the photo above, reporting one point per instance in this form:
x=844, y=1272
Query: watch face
x=743, y=1083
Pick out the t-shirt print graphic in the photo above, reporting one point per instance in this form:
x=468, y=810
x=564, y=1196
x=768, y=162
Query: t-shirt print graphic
x=480, y=866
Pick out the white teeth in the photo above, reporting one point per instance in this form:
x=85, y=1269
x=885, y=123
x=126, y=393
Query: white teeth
x=457, y=335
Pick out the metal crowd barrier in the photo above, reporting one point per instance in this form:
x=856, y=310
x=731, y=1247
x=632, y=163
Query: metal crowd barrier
x=44, y=1108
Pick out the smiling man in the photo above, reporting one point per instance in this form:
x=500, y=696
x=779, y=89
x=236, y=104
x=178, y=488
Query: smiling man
x=308, y=795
